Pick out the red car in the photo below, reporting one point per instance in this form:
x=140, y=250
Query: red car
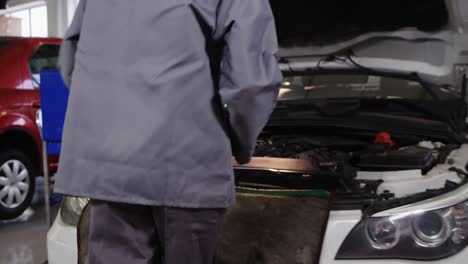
x=21, y=61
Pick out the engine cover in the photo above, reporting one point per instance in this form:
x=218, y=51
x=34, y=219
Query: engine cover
x=408, y=158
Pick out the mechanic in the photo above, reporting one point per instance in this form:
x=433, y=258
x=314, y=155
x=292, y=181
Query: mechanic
x=163, y=94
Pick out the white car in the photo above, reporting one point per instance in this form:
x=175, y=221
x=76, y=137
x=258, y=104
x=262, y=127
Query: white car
x=373, y=106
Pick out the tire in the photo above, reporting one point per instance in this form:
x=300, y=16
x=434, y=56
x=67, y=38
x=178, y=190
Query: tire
x=17, y=183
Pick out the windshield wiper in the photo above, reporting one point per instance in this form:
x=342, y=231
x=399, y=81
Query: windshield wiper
x=331, y=107
x=326, y=107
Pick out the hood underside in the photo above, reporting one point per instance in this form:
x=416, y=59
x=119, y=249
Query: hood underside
x=423, y=36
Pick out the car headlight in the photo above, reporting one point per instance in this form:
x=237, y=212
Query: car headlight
x=39, y=119
x=427, y=235
x=71, y=210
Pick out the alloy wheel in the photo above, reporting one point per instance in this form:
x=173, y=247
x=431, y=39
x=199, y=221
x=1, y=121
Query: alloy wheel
x=14, y=183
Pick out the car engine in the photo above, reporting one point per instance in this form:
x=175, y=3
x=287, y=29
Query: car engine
x=336, y=151
x=335, y=163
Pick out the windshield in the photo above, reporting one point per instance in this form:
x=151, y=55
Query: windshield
x=359, y=86
x=4, y=43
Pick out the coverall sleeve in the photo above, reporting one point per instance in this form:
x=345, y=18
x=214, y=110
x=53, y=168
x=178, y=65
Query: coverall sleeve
x=250, y=75
x=70, y=44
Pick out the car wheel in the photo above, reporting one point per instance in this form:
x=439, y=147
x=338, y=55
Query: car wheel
x=17, y=183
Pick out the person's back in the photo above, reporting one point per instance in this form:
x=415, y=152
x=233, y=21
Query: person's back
x=154, y=110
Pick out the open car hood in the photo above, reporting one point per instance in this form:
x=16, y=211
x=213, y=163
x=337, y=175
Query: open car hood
x=427, y=37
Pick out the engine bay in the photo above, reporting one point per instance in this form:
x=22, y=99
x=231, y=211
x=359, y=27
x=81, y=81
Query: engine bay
x=360, y=172
x=327, y=152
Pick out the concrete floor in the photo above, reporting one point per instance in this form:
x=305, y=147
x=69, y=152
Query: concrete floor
x=23, y=241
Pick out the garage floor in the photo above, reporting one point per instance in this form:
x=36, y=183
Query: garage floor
x=23, y=241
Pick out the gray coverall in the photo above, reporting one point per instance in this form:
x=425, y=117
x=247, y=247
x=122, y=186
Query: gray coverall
x=162, y=94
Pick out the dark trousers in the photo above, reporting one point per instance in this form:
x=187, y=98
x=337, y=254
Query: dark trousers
x=123, y=233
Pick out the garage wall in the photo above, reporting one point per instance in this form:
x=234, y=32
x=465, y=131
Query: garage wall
x=26, y=18
x=60, y=14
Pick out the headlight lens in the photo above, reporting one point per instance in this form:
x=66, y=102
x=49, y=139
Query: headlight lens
x=383, y=233
x=427, y=235
x=71, y=210
x=432, y=229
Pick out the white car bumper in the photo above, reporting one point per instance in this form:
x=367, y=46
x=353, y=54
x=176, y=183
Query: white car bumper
x=62, y=245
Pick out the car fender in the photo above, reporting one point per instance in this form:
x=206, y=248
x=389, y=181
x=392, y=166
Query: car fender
x=16, y=121
x=16, y=124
